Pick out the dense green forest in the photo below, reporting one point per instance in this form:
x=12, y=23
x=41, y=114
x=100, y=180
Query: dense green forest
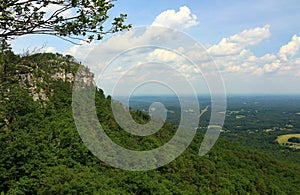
x=42, y=153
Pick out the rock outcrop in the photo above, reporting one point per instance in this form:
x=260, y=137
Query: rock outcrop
x=37, y=76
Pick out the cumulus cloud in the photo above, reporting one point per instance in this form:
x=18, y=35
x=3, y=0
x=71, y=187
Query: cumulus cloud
x=234, y=57
x=81, y=51
x=163, y=55
x=272, y=67
x=234, y=68
x=180, y=20
x=232, y=54
x=155, y=36
x=290, y=49
x=236, y=43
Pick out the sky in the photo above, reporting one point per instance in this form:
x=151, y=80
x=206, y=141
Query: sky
x=252, y=47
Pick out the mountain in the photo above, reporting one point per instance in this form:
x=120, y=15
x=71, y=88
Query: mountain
x=42, y=152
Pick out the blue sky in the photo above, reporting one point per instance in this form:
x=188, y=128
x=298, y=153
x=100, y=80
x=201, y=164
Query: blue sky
x=254, y=43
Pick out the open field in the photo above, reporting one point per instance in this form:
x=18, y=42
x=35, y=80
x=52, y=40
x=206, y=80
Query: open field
x=283, y=140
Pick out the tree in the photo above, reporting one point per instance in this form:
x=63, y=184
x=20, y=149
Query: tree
x=70, y=20
x=7, y=58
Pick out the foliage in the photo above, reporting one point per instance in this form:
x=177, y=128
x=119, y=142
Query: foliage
x=42, y=153
x=70, y=20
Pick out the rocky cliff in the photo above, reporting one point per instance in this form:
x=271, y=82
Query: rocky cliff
x=37, y=72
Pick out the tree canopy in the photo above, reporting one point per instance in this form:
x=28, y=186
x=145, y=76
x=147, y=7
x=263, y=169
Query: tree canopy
x=42, y=152
x=72, y=20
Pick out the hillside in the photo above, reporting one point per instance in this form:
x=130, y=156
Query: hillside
x=42, y=153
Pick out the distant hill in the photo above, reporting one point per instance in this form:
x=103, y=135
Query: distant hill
x=42, y=153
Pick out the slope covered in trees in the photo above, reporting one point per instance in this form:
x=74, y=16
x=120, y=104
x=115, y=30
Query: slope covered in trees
x=42, y=153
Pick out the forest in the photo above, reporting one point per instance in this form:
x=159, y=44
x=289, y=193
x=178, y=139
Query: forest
x=42, y=152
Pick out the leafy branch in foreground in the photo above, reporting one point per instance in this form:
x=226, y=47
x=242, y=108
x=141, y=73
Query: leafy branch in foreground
x=71, y=20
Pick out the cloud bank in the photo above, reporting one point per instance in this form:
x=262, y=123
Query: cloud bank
x=234, y=54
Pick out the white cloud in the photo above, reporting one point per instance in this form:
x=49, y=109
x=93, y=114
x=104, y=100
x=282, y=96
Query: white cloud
x=81, y=51
x=268, y=58
x=297, y=62
x=245, y=63
x=290, y=49
x=232, y=54
x=50, y=50
x=258, y=71
x=163, y=55
x=153, y=36
x=238, y=42
x=119, y=68
x=180, y=20
x=268, y=68
x=234, y=57
x=234, y=68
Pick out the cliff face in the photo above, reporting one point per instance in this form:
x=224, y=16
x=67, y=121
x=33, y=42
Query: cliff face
x=29, y=81
x=39, y=75
x=40, y=70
